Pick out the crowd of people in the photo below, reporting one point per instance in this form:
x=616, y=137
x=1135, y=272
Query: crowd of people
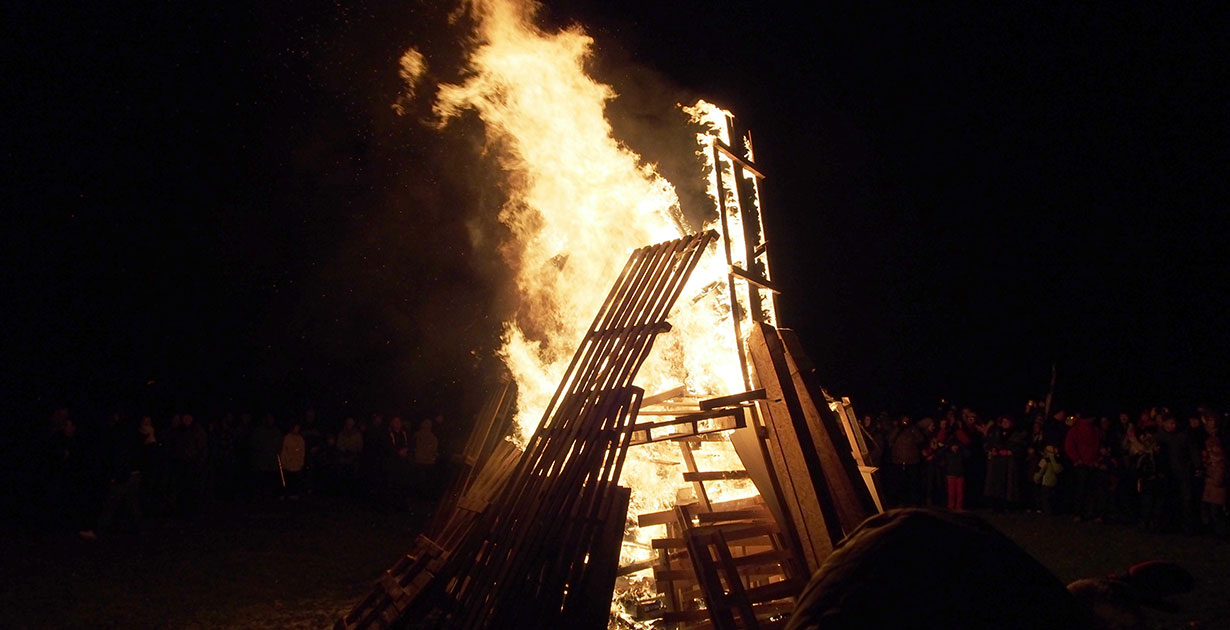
x=1151, y=469
x=88, y=478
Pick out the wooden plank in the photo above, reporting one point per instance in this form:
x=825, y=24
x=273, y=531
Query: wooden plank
x=689, y=463
x=591, y=608
x=715, y=475
x=731, y=400
x=812, y=513
x=669, y=394
x=839, y=469
x=733, y=515
x=754, y=279
x=740, y=160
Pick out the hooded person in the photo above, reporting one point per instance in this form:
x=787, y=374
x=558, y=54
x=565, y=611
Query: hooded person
x=915, y=568
x=924, y=568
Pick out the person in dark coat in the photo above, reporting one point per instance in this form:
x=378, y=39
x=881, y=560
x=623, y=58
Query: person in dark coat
x=264, y=447
x=1005, y=450
x=1177, y=464
x=916, y=568
x=905, y=446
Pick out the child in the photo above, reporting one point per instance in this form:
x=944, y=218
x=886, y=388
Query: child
x=954, y=470
x=1047, y=477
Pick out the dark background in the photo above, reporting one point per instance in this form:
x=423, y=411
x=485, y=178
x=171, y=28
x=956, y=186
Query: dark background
x=214, y=207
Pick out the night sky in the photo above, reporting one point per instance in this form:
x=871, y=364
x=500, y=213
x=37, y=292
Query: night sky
x=212, y=207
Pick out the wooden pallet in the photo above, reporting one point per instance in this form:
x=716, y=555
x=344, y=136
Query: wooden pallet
x=540, y=550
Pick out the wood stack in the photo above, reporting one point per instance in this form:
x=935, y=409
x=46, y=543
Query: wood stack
x=544, y=551
x=533, y=539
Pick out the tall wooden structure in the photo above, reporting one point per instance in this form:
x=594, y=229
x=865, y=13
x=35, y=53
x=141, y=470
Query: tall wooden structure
x=533, y=538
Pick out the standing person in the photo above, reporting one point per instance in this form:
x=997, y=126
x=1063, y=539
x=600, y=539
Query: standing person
x=1005, y=449
x=292, y=457
x=188, y=455
x=1081, y=445
x=349, y=447
x=975, y=467
x=1149, y=481
x=121, y=467
x=955, y=455
x=397, y=464
x=905, y=447
x=875, y=447
x=426, y=451
x=1178, y=459
x=314, y=460
x=1047, y=477
x=371, y=461
x=1213, y=498
x=265, y=445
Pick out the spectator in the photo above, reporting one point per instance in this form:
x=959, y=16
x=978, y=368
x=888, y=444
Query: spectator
x=349, y=445
x=1081, y=446
x=875, y=447
x=1213, y=498
x=1005, y=449
x=426, y=451
x=1177, y=464
x=121, y=468
x=188, y=458
x=905, y=446
x=265, y=446
x=397, y=464
x=292, y=458
x=1047, y=478
x=371, y=461
x=1149, y=481
x=955, y=455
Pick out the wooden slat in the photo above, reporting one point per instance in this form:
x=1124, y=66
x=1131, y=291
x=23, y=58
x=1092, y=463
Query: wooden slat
x=812, y=515
x=733, y=399
x=754, y=279
x=839, y=471
x=715, y=475
x=740, y=160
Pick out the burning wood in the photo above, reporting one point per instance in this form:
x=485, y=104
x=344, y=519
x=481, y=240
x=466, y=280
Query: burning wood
x=739, y=480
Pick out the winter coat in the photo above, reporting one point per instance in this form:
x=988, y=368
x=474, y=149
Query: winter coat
x=1214, y=471
x=1003, y=479
x=954, y=463
x=266, y=444
x=294, y=448
x=1048, y=471
x=426, y=447
x=1082, y=442
x=906, y=445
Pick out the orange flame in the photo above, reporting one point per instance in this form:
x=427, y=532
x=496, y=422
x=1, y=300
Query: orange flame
x=580, y=201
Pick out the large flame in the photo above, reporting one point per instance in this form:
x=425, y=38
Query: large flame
x=579, y=202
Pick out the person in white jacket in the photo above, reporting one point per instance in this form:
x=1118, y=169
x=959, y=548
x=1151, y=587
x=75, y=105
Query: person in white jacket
x=293, y=450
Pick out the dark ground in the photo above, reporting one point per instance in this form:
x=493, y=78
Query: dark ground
x=301, y=564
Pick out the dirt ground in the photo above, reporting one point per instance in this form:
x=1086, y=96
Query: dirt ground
x=302, y=564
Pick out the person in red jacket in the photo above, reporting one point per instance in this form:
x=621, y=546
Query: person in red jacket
x=1081, y=446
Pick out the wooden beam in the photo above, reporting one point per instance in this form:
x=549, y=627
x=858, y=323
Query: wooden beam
x=664, y=396
x=840, y=470
x=715, y=475
x=754, y=279
x=739, y=159
x=812, y=515
x=731, y=400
